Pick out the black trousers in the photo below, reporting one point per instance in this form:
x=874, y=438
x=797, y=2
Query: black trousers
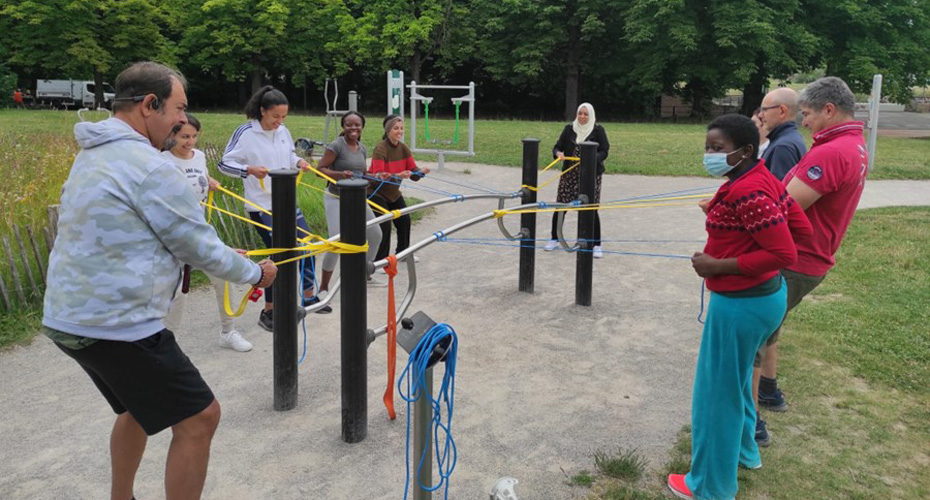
x=402, y=224
x=597, y=228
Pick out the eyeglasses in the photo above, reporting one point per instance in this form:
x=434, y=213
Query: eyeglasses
x=763, y=109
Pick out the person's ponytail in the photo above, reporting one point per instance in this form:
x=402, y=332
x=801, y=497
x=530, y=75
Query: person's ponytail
x=266, y=97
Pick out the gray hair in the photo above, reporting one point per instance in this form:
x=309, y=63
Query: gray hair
x=829, y=89
x=141, y=79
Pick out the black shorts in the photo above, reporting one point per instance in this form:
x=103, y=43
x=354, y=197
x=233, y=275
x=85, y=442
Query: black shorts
x=150, y=378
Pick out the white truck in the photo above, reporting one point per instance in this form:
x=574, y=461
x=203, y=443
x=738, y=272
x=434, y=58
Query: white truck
x=71, y=93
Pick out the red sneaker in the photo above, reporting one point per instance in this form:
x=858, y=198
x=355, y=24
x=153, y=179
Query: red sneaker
x=676, y=483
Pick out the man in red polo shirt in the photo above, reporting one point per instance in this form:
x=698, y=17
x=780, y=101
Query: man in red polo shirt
x=827, y=183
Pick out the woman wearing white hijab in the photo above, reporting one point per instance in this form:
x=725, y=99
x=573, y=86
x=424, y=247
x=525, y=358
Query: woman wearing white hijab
x=584, y=128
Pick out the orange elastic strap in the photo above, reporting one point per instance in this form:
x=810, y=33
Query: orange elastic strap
x=391, y=270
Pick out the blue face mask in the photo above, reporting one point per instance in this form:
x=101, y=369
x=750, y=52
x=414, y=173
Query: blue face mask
x=716, y=163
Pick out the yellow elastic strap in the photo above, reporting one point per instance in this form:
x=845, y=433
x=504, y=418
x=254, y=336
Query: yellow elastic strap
x=237, y=216
x=544, y=184
x=261, y=182
x=228, y=308
x=243, y=200
x=209, y=206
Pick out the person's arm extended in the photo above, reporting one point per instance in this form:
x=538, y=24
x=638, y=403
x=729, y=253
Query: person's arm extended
x=326, y=163
x=234, y=163
x=163, y=200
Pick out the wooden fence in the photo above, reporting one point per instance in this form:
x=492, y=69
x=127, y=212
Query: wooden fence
x=25, y=250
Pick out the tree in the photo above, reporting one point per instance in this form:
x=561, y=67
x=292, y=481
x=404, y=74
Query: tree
x=387, y=33
x=701, y=49
x=530, y=43
x=240, y=38
x=84, y=38
x=860, y=38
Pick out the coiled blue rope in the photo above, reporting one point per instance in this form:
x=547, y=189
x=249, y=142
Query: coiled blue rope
x=414, y=374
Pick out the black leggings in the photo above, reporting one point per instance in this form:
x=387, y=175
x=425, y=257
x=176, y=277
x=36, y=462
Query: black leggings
x=597, y=228
x=402, y=224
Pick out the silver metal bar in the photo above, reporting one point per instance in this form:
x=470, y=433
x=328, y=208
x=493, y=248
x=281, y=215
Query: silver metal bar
x=411, y=267
x=447, y=152
x=460, y=87
x=411, y=271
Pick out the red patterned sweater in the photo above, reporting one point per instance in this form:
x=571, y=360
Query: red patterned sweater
x=753, y=219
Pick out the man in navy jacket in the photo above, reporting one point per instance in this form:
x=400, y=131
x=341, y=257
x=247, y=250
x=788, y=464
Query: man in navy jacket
x=786, y=146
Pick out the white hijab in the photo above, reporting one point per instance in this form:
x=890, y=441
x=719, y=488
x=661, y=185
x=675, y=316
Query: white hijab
x=583, y=131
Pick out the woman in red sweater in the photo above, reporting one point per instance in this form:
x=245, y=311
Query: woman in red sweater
x=393, y=157
x=751, y=225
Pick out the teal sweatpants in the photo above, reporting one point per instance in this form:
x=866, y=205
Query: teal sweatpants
x=723, y=414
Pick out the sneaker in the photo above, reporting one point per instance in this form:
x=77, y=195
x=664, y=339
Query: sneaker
x=598, y=252
x=678, y=487
x=375, y=282
x=266, y=319
x=234, y=341
x=762, y=434
x=773, y=401
x=750, y=467
x=551, y=245
x=316, y=300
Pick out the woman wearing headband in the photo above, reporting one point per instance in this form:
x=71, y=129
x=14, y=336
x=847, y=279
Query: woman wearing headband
x=584, y=128
x=393, y=157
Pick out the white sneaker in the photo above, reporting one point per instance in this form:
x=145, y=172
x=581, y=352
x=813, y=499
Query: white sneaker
x=598, y=252
x=375, y=282
x=234, y=341
x=551, y=245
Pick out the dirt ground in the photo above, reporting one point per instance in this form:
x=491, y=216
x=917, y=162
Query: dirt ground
x=541, y=385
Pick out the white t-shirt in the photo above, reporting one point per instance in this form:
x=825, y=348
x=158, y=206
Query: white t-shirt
x=195, y=169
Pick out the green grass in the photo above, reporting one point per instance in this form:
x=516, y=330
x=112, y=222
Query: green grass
x=627, y=465
x=854, y=364
x=636, y=148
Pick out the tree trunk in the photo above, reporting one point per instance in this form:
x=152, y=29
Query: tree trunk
x=256, y=78
x=98, y=89
x=572, y=72
x=416, y=64
x=754, y=90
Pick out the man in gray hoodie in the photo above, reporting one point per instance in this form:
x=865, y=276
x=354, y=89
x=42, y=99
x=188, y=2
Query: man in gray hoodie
x=128, y=222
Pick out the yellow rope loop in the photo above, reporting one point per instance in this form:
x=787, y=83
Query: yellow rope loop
x=238, y=312
x=261, y=182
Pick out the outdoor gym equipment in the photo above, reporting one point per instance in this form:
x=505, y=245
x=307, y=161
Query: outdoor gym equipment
x=427, y=342
x=332, y=111
x=872, y=124
x=416, y=97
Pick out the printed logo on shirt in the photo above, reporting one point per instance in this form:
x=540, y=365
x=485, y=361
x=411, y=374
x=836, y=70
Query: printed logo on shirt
x=202, y=181
x=814, y=173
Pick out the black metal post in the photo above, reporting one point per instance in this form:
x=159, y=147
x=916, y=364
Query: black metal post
x=284, y=235
x=528, y=220
x=584, y=260
x=353, y=312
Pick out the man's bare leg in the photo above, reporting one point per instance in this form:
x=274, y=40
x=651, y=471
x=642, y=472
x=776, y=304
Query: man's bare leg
x=127, y=444
x=189, y=454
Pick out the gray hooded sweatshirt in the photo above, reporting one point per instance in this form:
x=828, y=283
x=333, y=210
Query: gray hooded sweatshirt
x=128, y=221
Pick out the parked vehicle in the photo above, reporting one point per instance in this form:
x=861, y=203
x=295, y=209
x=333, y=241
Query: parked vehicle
x=71, y=93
